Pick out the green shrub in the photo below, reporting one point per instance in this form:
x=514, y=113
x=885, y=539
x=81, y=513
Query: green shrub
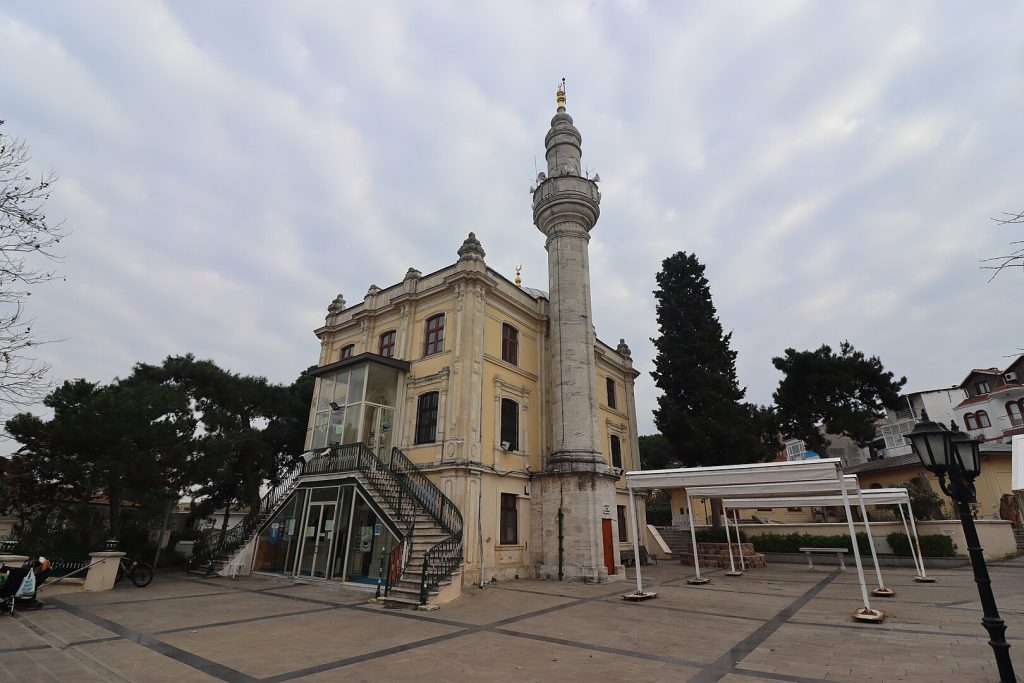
x=791, y=543
x=716, y=534
x=932, y=545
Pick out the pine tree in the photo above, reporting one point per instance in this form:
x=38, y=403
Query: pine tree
x=700, y=411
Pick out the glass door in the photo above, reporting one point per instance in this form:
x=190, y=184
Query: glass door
x=317, y=539
x=377, y=430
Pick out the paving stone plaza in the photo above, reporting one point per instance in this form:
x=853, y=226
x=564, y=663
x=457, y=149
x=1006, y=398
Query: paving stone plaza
x=782, y=623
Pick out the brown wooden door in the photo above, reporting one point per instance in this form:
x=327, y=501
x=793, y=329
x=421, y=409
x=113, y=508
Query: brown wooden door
x=609, y=548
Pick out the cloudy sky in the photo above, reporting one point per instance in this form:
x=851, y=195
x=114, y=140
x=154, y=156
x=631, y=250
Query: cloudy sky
x=227, y=168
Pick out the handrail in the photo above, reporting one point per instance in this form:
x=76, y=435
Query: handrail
x=443, y=558
x=203, y=550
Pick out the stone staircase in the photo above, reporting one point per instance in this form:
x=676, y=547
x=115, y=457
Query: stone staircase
x=677, y=539
x=406, y=590
x=1018, y=535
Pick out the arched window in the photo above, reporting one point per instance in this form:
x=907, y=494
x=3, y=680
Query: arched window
x=433, y=337
x=426, y=418
x=983, y=420
x=509, y=424
x=1015, y=409
x=970, y=421
x=347, y=351
x=616, y=446
x=509, y=344
x=387, y=344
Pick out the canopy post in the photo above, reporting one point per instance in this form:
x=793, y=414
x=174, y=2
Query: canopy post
x=865, y=613
x=639, y=594
x=697, y=579
x=739, y=541
x=881, y=591
x=728, y=543
x=910, y=539
x=924, y=578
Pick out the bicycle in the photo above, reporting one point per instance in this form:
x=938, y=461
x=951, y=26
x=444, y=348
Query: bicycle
x=139, y=573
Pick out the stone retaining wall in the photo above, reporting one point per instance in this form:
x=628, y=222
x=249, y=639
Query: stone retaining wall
x=716, y=555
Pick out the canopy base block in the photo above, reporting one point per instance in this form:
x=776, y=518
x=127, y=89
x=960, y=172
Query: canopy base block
x=924, y=579
x=882, y=592
x=876, y=616
x=736, y=573
x=638, y=596
x=698, y=580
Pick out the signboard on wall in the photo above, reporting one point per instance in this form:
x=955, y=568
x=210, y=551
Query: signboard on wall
x=1017, y=473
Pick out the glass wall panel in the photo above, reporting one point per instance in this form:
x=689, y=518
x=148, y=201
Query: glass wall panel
x=337, y=564
x=356, y=380
x=351, y=428
x=326, y=393
x=277, y=545
x=382, y=385
x=335, y=434
x=341, y=387
x=320, y=430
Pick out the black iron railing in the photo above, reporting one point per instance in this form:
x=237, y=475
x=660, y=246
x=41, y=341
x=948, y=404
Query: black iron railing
x=443, y=558
x=208, y=546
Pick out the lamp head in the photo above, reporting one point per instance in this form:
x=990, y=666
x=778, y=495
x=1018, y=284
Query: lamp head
x=967, y=451
x=931, y=443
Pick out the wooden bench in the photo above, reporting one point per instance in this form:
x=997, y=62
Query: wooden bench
x=838, y=552
x=626, y=557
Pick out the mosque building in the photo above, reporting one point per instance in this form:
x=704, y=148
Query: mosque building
x=465, y=428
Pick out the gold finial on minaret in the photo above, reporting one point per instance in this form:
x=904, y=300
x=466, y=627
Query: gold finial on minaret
x=519, y=280
x=560, y=96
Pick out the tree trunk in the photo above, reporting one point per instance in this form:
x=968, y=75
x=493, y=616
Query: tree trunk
x=716, y=512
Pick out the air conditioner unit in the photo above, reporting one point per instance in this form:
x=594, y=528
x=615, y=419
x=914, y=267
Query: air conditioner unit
x=1010, y=377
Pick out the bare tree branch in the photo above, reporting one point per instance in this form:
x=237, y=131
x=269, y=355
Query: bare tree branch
x=1014, y=259
x=27, y=237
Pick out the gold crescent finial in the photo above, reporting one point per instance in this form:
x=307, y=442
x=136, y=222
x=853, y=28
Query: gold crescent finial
x=519, y=280
x=560, y=96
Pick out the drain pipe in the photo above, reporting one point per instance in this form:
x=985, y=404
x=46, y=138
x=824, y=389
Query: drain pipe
x=561, y=534
x=480, y=523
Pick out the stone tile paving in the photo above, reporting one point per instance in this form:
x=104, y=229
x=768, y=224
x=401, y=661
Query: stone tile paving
x=779, y=623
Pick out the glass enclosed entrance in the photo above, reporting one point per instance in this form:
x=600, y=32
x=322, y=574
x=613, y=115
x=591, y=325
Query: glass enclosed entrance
x=328, y=532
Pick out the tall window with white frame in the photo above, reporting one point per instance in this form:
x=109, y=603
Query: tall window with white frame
x=508, y=534
x=610, y=385
x=616, y=447
x=426, y=418
x=509, y=344
x=509, y=424
x=386, y=347
x=433, y=334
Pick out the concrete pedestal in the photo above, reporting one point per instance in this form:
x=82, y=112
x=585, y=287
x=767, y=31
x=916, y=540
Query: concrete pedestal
x=13, y=560
x=103, y=571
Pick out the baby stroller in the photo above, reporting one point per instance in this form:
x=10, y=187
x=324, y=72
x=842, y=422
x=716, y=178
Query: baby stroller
x=19, y=588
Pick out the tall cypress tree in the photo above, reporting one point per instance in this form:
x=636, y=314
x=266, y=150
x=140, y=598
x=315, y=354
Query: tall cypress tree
x=700, y=411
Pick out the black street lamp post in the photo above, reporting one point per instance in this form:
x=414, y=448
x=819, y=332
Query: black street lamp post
x=943, y=452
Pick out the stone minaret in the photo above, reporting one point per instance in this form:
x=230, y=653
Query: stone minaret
x=576, y=479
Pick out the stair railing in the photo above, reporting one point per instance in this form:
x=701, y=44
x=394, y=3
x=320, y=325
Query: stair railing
x=205, y=549
x=445, y=557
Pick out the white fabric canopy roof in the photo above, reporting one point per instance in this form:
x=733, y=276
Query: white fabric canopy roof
x=731, y=475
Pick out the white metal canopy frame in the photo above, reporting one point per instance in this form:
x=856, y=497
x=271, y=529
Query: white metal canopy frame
x=898, y=497
x=761, y=480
